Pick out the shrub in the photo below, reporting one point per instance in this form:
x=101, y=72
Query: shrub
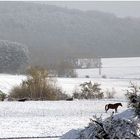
x=2, y=96
x=133, y=96
x=19, y=92
x=76, y=94
x=89, y=91
x=37, y=86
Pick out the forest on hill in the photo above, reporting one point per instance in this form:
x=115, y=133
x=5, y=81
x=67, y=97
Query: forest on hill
x=53, y=33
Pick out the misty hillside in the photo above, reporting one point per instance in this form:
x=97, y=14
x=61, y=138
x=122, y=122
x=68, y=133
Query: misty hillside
x=54, y=33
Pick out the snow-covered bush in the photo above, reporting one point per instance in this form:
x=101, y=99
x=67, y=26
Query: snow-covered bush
x=89, y=90
x=13, y=57
x=133, y=96
x=2, y=96
x=111, y=128
x=114, y=127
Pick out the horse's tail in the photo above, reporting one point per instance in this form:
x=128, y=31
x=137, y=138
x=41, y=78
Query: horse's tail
x=106, y=107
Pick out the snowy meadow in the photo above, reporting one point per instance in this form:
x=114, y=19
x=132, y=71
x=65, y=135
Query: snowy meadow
x=47, y=118
x=55, y=118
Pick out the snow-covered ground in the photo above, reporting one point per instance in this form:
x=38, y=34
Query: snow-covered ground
x=55, y=118
x=119, y=85
x=8, y=81
x=48, y=118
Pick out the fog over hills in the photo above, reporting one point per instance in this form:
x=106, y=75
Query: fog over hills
x=54, y=33
x=120, y=8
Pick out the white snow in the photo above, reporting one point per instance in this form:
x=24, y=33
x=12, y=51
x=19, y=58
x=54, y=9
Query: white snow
x=8, y=81
x=123, y=68
x=48, y=118
x=55, y=118
x=69, y=85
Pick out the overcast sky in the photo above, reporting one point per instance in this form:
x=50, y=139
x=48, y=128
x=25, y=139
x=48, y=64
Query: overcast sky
x=120, y=8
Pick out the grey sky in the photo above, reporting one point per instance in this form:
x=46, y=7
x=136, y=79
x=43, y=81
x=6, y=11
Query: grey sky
x=120, y=8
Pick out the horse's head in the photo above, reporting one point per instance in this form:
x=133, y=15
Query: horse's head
x=120, y=104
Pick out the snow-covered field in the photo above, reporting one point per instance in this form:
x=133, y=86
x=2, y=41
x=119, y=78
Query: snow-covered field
x=119, y=85
x=116, y=68
x=48, y=118
x=54, y=118
x=8, y=81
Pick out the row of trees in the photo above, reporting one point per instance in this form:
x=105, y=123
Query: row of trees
x=63, y=69
x=40, y=86
x=14, y=58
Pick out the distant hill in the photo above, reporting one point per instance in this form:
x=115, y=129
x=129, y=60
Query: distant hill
x=53, y=33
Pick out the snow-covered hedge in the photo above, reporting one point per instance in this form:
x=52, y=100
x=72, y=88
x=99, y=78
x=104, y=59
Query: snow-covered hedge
x=13, y=57
x=114, y=127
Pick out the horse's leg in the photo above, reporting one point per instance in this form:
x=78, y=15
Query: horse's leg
x=115, y=110
x=107, y=110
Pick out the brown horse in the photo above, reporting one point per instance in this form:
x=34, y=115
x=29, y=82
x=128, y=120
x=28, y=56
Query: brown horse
x=112, y=106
